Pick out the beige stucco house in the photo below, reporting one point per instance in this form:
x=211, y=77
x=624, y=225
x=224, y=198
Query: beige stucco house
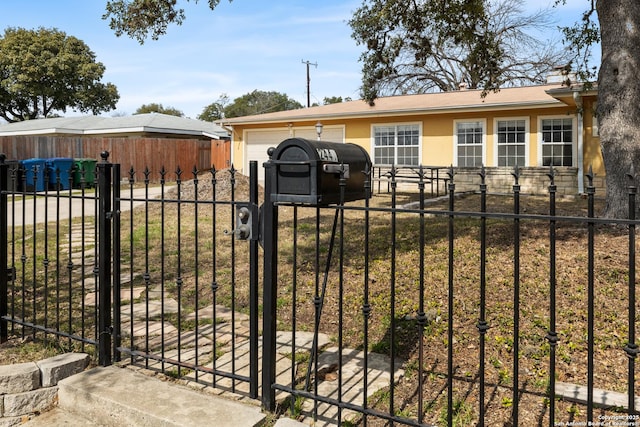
x=533, y=127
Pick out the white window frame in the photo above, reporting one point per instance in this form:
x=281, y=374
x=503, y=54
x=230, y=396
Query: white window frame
x=527, y=128
x=483, y=123
x=395, y=125
x=595, y=124
x=574, y=137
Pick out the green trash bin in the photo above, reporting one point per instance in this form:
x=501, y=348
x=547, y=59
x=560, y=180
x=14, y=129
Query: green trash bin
x=84, y=168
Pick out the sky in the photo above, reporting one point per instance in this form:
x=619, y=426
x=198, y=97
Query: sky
x=237, y=48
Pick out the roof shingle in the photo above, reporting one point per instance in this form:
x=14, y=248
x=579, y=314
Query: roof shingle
x=430, y=103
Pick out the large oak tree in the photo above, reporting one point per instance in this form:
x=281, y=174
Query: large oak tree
x=618, y=109
x=44, y=71
x=615, y=25
x=158, y=108
x=426, y=46
x=140, y=19
x=215, y=110
x=259, y=102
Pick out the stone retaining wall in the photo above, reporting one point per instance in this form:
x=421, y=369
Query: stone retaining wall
x=532, y=180
x=30, y=388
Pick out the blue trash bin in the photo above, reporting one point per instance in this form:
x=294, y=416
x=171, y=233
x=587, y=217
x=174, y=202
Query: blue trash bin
x=34, y=170
x=65, y=167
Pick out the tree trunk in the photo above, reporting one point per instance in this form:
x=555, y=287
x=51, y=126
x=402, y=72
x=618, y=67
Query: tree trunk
x=619, y=99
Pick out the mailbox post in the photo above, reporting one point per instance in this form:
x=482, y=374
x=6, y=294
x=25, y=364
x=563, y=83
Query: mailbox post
x=270, y=259
x=313, y=173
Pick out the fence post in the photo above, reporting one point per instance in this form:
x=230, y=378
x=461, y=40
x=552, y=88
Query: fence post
x=254, y=283
x=117, y=298
x=104, y=260
x=631, y=348
x=4, y=279
x=270, y=259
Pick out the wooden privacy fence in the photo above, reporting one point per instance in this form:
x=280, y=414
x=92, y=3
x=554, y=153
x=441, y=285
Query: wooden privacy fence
x=130, y=152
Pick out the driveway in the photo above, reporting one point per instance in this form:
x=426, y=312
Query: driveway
x=45, y=209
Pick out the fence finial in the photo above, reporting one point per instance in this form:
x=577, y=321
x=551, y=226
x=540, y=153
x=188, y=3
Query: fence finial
x=632, y=176
x=590, y=175
x=104, y=156
x=450, y=172
x=516, y=173
x=3, y=157
x=551, y=174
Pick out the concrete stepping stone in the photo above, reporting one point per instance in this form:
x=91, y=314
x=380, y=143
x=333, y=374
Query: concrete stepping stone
x=89, y=280
x=203, y=353
x=225, y=334
x=125, y=295
x=76, y=238
x=154, y=308
x=605, y=398
x=88, y=256
x=304, y=341
x=222, y=313
x=238, y=362
x=187, y=339
x=242, y=360
x=126, y=278
x=153, y=329
x=378, y=378
x=129, y=294
x=155, y=291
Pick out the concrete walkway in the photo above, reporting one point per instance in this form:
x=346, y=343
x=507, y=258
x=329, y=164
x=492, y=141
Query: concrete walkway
x=40, y=209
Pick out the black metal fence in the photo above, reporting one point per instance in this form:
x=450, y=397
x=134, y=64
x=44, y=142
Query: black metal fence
x=187, y=291
x=48, y=257
x=478, y=310
x=147, y=274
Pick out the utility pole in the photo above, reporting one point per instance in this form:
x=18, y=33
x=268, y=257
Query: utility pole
x=315, y=64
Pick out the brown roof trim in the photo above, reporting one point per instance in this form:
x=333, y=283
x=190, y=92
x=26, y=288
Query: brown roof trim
x=431, y=103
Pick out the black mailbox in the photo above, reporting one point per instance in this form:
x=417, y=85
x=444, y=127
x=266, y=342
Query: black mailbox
x=308, y=172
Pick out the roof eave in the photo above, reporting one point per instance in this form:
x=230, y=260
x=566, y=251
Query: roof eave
x=149, y=129
x=398, y=113
x=50, y=131
x=592, y=90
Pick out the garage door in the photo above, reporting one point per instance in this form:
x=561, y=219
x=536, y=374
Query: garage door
x=259, y=141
